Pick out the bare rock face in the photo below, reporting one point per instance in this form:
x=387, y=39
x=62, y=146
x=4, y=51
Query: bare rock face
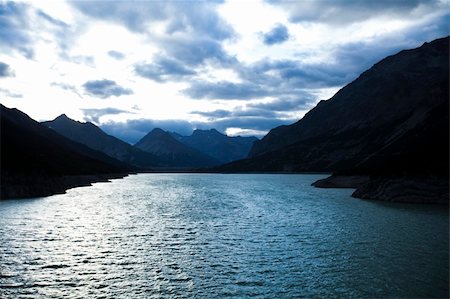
x=405, y=189
x=341, y=181
x=411, y=189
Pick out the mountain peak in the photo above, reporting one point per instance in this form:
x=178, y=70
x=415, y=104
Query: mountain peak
x=63, y=117
x=157, y=132
x=173, y=152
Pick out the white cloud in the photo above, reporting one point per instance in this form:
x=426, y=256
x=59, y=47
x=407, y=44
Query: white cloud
x=196, y=46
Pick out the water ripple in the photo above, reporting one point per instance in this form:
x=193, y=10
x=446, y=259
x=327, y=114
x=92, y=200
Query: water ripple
x=216, y=236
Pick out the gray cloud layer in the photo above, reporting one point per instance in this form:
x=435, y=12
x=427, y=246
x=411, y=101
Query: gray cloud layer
x=163, y=69
x=132, y=131
x=193, y=40
x=279, y=34
x=14, y=33
x=347, y=12
x=105, y=89
x=5, y=70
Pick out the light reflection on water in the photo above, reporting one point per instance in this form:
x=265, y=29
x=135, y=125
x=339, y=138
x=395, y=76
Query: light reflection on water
x=204, y=235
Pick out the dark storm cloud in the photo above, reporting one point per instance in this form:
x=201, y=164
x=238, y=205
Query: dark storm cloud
x=116, y=55
x=194, y=51
x=224, y=90
x=185, y=17
x=279, y=34
x=220, y=113
x=194, y=30
x=93, y=115
x=239, y=112
x=162, y=69
x=19, y=23
x=5, y=70
x=294, y=73
x=287, y=104
x=105, y=89
x=346, y=12
x=273, y=78
x=258, y=116
x=14, y=35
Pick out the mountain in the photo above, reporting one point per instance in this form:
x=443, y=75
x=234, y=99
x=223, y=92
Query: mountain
x=93, y=137
x=172, y=152
x=37, y=161
x=217, y=145
x=391, y=121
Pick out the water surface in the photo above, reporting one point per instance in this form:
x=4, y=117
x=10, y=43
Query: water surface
x=216, y=236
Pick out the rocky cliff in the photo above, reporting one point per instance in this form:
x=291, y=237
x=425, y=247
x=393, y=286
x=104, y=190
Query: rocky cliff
x=391, y=121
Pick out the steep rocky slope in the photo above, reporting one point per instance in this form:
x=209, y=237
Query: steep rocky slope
x=391, y=121
x=93, y=137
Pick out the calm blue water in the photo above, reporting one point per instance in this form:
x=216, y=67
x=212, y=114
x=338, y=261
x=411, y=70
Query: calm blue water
x=216, y=236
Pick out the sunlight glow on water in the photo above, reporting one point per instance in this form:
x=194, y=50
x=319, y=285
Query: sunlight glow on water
x=213, y=235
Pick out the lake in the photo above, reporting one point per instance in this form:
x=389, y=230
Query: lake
x=218, y=235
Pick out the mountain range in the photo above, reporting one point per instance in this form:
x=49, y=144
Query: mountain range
x=221, y=147
x=158, y=150
x=172, y=152
x=37, y=161
x=93, y=137
x=392, y=121
x=40, y=159
x=385, y=134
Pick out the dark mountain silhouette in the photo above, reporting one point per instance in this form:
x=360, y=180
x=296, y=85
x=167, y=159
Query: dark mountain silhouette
x=93, y=137
x=173, y=153
x=37, y=161
x=391, y=121
x=217, y=145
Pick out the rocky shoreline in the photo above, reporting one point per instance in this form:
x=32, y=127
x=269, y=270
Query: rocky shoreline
x=39, y=185
x=433, y=190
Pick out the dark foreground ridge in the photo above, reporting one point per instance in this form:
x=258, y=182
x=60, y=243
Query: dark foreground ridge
x=36, y=161
x=391, y=125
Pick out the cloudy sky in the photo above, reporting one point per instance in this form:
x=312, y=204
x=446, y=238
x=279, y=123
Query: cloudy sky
x=242, y=67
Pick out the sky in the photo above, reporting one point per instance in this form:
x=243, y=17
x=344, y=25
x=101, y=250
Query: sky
x=242, y=67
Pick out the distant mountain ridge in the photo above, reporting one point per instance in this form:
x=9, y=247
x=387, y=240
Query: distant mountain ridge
x=93, y=137
x=37, y=161
x=173, y=153
x=391, y=121
x=158, y=149
x=219, y=146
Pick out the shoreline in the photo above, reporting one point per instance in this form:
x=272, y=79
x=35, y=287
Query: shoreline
x=38, y=185
x=400, y=189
